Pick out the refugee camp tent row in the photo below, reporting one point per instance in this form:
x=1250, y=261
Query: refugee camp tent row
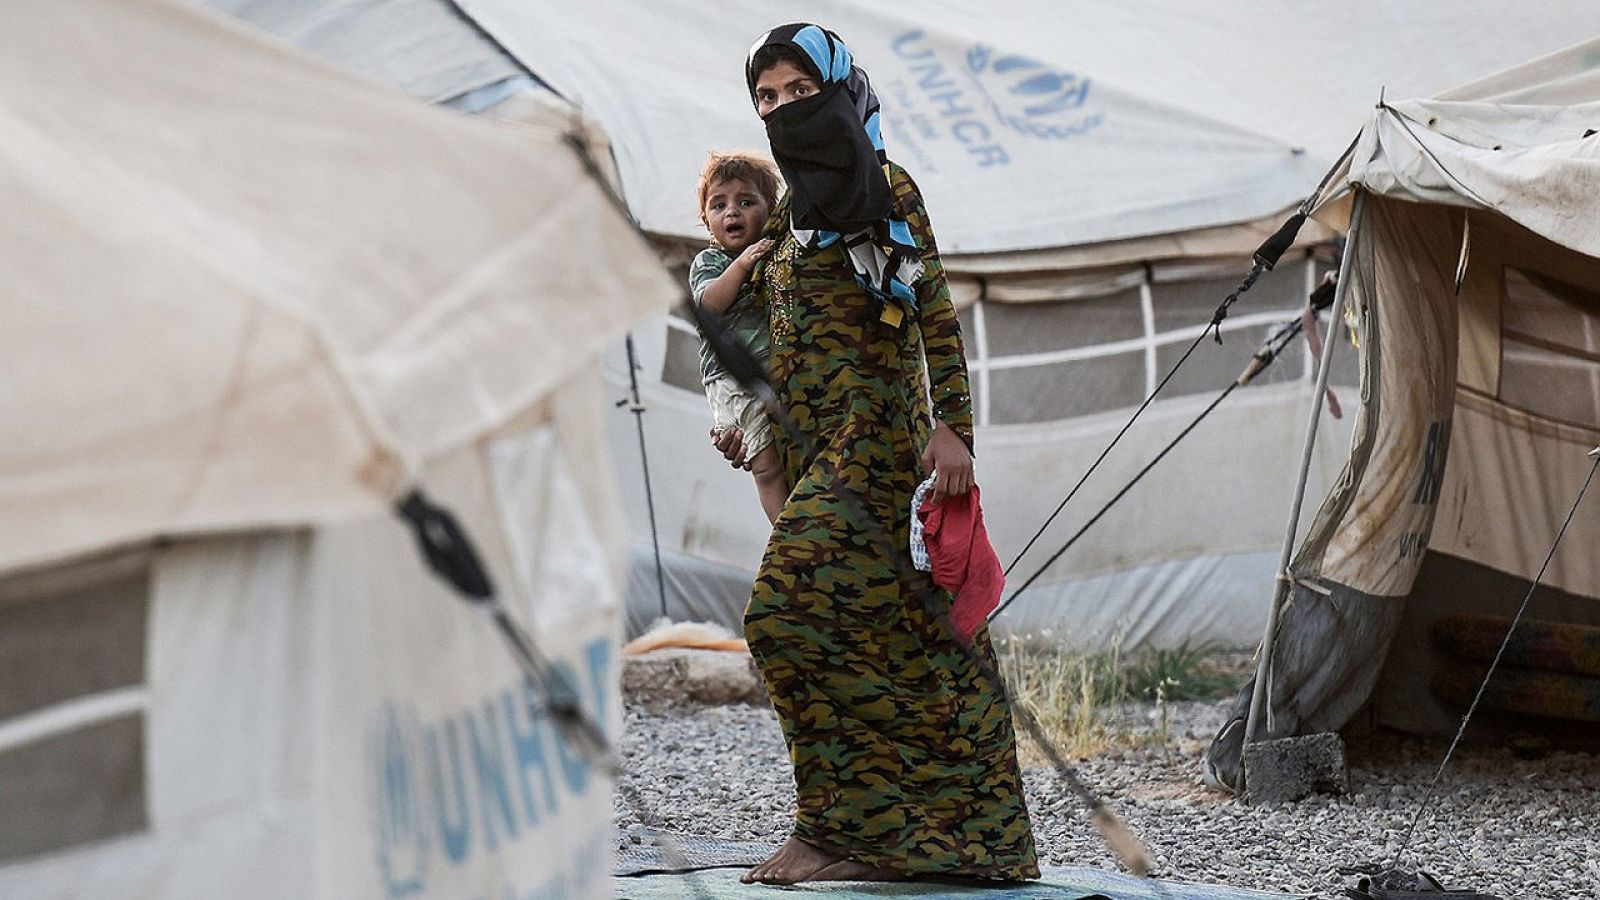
x=1475, y=284
x=231, y=345
x=1098, y=176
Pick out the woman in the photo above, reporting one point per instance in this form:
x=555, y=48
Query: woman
x=904, y=756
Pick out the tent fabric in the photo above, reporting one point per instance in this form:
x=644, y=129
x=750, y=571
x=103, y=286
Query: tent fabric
x=250, y=298
x=1567, y=76
x=324, y=719
x=1469, y=279
x=251, y=245
x=423, y=47
x=1035, y=125
x=1470, y=192
x=1371, y=534
x=1534, y=166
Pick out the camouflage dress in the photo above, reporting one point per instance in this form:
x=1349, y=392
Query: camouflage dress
x=903, y=751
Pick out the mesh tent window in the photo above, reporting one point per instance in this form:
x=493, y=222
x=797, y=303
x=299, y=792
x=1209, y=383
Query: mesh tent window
x=1046, y=360
x=72, y=707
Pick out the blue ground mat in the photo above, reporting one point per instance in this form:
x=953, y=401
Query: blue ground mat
x=646, y=871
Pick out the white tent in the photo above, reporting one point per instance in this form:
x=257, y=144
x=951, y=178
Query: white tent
x=1151, y=220
x=1124, y=209
x=249, y=302
x=1472, y=276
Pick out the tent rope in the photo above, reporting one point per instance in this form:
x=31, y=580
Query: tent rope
x=1427, y=796
x=1263, y=358
x=450, y=553
x=744, y=367
x=739, y=363
x=1265, y=257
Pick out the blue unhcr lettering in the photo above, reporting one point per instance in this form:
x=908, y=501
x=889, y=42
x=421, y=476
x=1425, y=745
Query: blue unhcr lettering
x=455, y=837
x=598, y=656
x=574, y=768
x=904, y=40
x=427, y=779
x=528, y=749
x=400, y=826
x=490, y=767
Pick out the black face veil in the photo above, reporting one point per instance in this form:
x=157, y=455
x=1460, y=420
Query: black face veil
x=836, y=181
x=829, y=147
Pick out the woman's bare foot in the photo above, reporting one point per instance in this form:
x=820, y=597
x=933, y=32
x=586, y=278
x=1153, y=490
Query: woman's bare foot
x=850, y=870
x=794, y=862
x=798, y=861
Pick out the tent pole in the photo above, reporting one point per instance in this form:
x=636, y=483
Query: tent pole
x=1281, y=590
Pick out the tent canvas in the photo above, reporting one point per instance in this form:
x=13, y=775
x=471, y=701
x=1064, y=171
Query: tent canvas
x=252, y=301
x=1032, y=125
x=1068, y=327
x=1472, y=284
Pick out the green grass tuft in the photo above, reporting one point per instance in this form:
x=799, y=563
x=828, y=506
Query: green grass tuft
x=1076, y=696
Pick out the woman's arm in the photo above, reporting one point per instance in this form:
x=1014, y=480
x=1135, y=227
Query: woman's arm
x=950, y=448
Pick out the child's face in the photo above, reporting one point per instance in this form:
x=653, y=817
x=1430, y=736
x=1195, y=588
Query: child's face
x=735, y=212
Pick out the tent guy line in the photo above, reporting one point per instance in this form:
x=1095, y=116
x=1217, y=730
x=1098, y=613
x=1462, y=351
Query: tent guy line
x=1265, y=258
x=1269, y=352
x=743, y=366
x=1427, y=796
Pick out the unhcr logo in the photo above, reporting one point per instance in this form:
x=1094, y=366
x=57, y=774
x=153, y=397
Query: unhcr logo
x=480, y=777
x=983, y=99
x=1031, y=97
x=399, y=828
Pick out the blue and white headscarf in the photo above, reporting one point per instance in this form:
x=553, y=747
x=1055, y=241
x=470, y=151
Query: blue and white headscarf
x=829, y=147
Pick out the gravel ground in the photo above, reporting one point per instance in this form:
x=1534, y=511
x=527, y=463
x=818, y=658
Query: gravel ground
x=1528, y=830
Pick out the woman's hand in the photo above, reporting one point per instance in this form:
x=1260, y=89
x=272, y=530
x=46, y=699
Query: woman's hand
x=730, y=444
x=947, y=456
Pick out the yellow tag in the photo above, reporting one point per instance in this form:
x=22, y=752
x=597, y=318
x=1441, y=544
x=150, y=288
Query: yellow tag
x=891, y=315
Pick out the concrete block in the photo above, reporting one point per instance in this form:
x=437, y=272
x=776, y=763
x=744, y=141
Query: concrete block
x=1289, y=769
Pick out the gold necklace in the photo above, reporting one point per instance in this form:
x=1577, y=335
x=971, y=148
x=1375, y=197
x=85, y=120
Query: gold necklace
x=782, y=278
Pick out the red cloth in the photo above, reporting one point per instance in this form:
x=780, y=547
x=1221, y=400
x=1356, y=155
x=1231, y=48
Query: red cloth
x=964, y=562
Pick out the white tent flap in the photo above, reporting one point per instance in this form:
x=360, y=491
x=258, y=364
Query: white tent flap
x=255, y=244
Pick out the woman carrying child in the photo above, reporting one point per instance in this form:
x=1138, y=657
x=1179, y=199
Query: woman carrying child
x=903, y=750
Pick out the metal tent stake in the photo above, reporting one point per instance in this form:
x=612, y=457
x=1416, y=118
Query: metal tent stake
x=1281, y=591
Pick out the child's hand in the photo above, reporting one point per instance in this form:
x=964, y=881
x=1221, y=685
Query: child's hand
x=754, y=252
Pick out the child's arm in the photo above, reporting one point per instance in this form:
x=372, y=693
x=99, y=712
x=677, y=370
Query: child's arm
x=724, y=289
